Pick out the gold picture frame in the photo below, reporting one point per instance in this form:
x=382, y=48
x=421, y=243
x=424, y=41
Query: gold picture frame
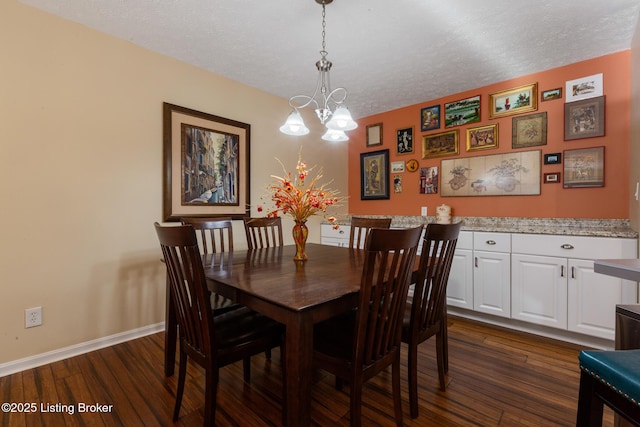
x=482, y=137
x=440, y=144
x=516, y=100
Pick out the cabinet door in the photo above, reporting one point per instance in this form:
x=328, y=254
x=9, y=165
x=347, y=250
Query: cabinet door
x=492, y=283
x=460, y=285
x=593, y=298
x=539, y=290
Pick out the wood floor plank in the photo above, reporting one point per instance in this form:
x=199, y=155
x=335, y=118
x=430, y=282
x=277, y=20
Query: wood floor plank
x=497, y=377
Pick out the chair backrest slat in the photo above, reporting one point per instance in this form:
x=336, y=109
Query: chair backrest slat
x=360, y=228
x=215, y=234
x=263, y=232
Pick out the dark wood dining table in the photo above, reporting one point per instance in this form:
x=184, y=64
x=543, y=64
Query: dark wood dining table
x=297, y=294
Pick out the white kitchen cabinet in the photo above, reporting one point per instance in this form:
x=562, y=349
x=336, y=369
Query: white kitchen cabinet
x=554, y=284
x=492, y=273
x=332, y=237
x=460, y=285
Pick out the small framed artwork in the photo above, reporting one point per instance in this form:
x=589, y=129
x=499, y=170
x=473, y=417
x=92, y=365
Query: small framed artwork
x=440, y=144
x=584, y=167
x=429, y=180
x=482, y=137
x=404, y=141
x=397, y=184
x=374, y=135
x=584, y=119
x=551, y=94
x=553, y=159
x=430, y=118
x=374, y=175
x=397, y=167
x=584, y=88
x=552, y=178
x=197, y=186
x=412, y=165
x=462, y=112
x=529, y=130
x=517, y=100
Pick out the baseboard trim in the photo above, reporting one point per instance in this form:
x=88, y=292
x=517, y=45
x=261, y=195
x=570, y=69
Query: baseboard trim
x=77, y=349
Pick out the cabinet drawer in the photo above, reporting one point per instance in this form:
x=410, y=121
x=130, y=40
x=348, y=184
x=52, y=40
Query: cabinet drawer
x=465, y=240
x=583, y=247
x=494, y=242
x=327, y=230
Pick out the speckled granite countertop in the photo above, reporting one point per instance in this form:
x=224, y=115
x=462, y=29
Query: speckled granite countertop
x=560, y=226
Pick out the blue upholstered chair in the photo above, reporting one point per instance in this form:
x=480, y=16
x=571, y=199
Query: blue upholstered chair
x=611, y=378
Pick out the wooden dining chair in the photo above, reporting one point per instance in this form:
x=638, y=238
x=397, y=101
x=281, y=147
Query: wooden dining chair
x=214, y=235
x=360, y=228
x=211, y=340
x=263, y=232
x=425, y=316
x=358, y=345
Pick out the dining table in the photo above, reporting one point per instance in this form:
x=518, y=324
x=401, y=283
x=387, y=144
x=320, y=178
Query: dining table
x=297, y=294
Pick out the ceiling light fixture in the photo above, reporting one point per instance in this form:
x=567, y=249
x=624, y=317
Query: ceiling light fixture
x=337, y=120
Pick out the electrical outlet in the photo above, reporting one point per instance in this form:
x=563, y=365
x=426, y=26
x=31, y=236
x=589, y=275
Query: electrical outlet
x=423, y=211
x=33, y=317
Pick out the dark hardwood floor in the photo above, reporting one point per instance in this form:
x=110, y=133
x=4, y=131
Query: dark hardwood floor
x=497, y=377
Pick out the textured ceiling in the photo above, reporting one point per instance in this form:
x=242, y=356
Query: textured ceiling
x=387, y=54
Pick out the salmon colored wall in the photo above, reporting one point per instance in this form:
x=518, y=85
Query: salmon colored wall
x=610, y=201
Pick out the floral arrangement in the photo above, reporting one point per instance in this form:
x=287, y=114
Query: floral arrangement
x=300, y=196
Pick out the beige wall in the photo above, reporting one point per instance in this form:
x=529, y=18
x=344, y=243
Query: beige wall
x=634, y=169
x=80, y=174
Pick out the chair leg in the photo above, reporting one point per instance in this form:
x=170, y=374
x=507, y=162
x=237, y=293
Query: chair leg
x=445, y=335
x=413, y=379
x=440, y=357
x=182, y=372
x=211, y=393
x=267, y=354
x=590, y=407
x=246, y=365
x=397, y=399
x=356, y=403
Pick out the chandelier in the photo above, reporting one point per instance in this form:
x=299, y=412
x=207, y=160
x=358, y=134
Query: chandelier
x=327, y=102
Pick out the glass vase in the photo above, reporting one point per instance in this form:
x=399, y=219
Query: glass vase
x=300, y=233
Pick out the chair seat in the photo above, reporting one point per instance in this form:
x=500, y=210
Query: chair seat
x=243, y=325
x=334, y=337
x=619, y=369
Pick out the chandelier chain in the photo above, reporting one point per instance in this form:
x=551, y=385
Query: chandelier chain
x=324, y=26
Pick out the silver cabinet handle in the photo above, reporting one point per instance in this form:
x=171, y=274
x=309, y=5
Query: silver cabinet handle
x=491, y=242
x=341, y=232
x=476, y=262
x=566, y=246
x=562, y=271
x=573, y=272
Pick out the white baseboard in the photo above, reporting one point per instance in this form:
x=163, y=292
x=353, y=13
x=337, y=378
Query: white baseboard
x=77, y=349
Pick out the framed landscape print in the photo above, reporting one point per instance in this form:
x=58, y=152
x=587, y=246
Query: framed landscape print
x=430, y=118
x=584, y=88
x=511, y=174
x=440, y=144
x=462, y=112
x=374, y=175
x=518, y=100
x=529, y=130
x=205, y=165
x=584, y=119
x=404, y=141
x=584, y=167
x=551, y=94
x=482, y=137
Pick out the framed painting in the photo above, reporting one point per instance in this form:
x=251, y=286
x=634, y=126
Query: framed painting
x=429, y=180
x=552, y=159
x=397, y=167
x=205, y=165
x=584, y=88
x=482, y=137
x=584, y=167
x=517, y=100
x=440, y=144
x=552, y=178
x=430, y=118
x=374, y=135
x=462, y=112
x=551, y=94
x=584, y=119
x=512, y=174
x=404, y=141
x=374, y=175
x=529, y=130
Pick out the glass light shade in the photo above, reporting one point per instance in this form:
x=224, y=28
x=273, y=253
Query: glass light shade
x=341, y=120
x=294, y=125
x=335, y=136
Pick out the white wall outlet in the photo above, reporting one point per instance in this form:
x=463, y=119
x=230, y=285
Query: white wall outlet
x=423, y=211
x=33, y=317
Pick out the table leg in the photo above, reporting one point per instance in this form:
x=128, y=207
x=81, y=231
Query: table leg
x=298, y=372
x=170, y=334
